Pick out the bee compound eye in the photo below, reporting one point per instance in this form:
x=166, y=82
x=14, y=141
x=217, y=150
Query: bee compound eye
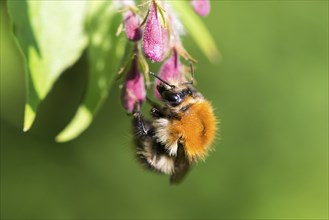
x=171, y=97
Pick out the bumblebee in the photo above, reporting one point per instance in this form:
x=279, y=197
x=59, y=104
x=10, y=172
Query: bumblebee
x=180, y=132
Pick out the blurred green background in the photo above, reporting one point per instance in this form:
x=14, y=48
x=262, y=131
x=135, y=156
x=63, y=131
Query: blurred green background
x=270, y=91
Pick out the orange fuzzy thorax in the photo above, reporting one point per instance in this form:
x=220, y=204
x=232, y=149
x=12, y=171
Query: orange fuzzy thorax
x=197, y=129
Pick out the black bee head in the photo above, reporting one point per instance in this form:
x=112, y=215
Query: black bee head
x=173, y=95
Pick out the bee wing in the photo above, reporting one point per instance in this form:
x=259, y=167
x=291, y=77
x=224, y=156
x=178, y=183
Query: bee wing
x=182, y=166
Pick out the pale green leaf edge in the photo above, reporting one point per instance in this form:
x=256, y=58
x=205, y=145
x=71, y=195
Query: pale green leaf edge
x=79, y=123
x=85, y=115
x=33, y=99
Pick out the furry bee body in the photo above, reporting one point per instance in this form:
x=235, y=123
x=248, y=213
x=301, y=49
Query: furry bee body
x=179, y=133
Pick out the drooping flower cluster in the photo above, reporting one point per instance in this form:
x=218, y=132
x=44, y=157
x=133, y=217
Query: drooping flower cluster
x=156, y=37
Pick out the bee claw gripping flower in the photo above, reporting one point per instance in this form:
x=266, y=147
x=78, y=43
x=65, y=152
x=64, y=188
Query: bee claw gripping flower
x=201, y=7
x=153, y=36
x=133, y=91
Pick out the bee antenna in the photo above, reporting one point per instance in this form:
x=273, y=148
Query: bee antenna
x=153, y=74
x=192, y=73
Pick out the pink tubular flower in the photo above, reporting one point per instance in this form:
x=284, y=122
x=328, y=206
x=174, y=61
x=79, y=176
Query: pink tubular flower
x=132, y=29
x=201, y=7
x=169, y=72
x=165, y=42
x=153, y=36
x=134, y=89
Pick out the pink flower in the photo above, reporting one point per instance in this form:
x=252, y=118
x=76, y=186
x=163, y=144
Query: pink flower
x=134, y=89
x=153, y=36
x=169, y=72
x=165, y=42
x=201, y=7
x=132, y=23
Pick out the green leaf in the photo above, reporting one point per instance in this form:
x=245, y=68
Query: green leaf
x=105, y=51
x=51, y=37
x=197, y=29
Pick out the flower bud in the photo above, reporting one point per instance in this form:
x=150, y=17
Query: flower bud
x=154, y=36
x=133, y=90
x=132, y=23
x=201, y=7
x=169, y=72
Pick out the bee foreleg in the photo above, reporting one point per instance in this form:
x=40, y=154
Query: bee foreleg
x=139, y=125
x=156, y=113
x=156, y=110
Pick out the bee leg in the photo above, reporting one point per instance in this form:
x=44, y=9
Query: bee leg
x=139, y=125
x=156, y=113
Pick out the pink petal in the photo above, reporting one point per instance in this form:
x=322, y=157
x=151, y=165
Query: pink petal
x=169, y=72
x=165, y=42
x=153, y=36
x=132, y=22
x=134, y=89
x=201, y=7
